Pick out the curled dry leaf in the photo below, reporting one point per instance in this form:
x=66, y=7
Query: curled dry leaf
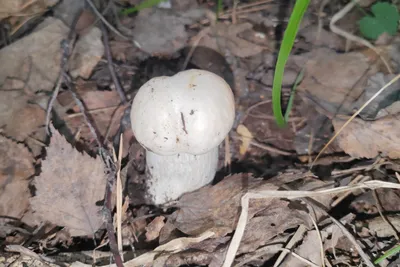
x=367, y=139
x=18, y=118
x=16, y=166
x=70, y=185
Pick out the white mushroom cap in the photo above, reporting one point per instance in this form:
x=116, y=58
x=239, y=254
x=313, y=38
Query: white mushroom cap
x=190, y=112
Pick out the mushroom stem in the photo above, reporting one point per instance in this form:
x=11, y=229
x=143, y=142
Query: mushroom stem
x=168, y=177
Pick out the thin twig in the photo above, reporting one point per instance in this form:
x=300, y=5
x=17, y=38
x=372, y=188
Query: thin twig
x=111, y=27
x=67, y=47
x=265, y=147
x=110, y=64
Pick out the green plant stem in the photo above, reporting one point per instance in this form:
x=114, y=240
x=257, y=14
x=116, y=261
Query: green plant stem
x=287, y=44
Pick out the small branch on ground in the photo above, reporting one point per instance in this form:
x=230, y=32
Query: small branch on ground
x=110, y=64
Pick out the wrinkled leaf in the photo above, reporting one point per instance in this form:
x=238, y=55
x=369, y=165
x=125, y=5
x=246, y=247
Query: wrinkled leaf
x=69, y=187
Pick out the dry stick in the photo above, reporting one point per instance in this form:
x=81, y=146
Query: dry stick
x=265, y=147
x=300, y=257
x=318, y=233
x=114, y=77
x=296, y=238
x=99, y=15
x=110, y=167
x=241, y=225
x=67, y=47
x=354, y=115
x=90, y=111
x=119, y=198
x=352, y=37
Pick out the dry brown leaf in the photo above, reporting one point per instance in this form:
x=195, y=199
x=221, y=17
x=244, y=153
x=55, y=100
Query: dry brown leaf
x=310, y=249
x=87, y=53
x=153, y=229
x=16, y=166
x=334, y=81
x=167, y=28
x=367, y=139
x=70, y=185
x=36, y=57
x=222, y=36
x=216, y=208
x=18, y=118
x=14, y=7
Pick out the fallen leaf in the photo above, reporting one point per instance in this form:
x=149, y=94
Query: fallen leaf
x=18, y=118
x=88, y=51
x=16, y=166
x=367, y=139
x=309, y=249
x=167, y=28
x=388, y=97
x=334, y=81
x=40, y=52
x=216, y=208
x=153, y=229
x=11, y=7
x=68, y=188
x=171, y=247
x=246, y=138
x=222, y=36
x=102, y=106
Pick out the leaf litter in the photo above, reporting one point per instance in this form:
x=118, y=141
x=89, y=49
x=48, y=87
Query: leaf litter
x=200, y=227
x=69, y=187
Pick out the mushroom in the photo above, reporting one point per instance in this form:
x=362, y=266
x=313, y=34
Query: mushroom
x=180, y=121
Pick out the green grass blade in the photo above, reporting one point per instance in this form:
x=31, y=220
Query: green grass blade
x=299, y=78
x=287, y=43
x=391, y=252
x=143, y=5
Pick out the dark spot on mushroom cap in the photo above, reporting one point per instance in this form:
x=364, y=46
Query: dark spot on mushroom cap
x=154, y=132
x=166, y=138
x=191, y=112
x=177, y=139
x=152, y=89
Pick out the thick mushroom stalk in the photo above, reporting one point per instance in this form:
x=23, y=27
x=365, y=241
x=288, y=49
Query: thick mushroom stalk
x=180, y=121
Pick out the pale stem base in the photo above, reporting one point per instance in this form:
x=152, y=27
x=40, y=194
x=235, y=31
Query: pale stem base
x=169, y=177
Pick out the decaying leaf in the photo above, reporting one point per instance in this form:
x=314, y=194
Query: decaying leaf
x=16, y=166
x=222, y=36
x=36, y=57
x=309, y=249
x=167, y=28
x=388, y=97
x=246, y=137
x=216, y=208
x=13, y=7
x=367, y=139
x=87, y=53
x=153, y=229
x=70, y=185
x=334, y=81
x=18, y=118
